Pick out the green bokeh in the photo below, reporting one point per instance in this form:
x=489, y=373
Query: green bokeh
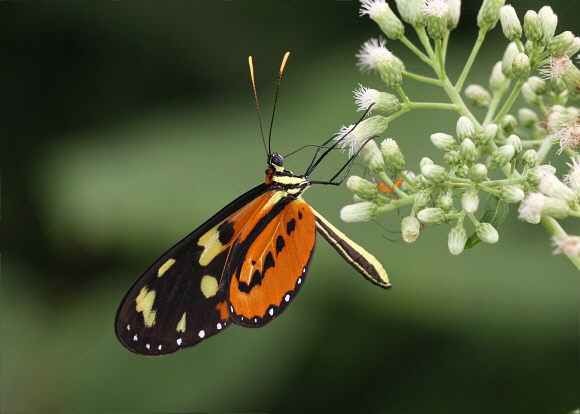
x=127, y=124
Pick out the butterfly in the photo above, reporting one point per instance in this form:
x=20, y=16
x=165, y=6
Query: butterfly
x=244, y=265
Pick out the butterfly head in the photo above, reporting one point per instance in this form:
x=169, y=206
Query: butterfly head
x=276, y=161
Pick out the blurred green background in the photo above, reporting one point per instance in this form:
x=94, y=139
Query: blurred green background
x=127, y=124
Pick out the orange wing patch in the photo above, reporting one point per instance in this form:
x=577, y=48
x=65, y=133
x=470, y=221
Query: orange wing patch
x=272, y=255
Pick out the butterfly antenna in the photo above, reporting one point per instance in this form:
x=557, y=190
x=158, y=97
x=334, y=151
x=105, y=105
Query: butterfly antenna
x=284, y=59
x=258, y=106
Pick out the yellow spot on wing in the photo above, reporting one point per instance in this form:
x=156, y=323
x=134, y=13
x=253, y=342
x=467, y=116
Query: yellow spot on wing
x=181, y=324
x=144, y=303
x=209, y=286
x=164, y=267
x=211, y=245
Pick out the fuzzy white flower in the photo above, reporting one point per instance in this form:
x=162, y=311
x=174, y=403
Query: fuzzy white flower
x=569, y=245
x=372, y=53
x=569, y=137
x=365, y=97
x=353, y=138
x=437, y=8
x=558, y=66
x=532, y=205
x=373, y=8
x=573, y=178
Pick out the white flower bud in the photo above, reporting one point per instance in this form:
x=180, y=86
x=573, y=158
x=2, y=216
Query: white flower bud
x=470, y=201
x=486, y=135
x=444, y=142
x=468, y=151
x=511, y=194
x=551, y=186
x=465, y=128
x=508, y=57
x=394, y=159
x=486, y=232
x=527, y=117
x=510, y=24
x=456, y=240
x=502, y=155
x=478, y=173
x=381, y=13
x=434, y=173
x=361, y=187
x=363, y=211
x=410, y=228
x=478, y=96
x=431, y=215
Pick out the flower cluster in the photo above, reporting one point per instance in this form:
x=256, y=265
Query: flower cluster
x=449, y=191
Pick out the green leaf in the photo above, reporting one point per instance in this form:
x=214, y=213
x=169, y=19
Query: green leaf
x=494, y=213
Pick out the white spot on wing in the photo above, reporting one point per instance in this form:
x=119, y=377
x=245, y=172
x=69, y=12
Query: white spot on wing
x=219, y=325
x=287, y=297
x=178, y=341
x=271, y=312
x=255, y=319
x=147, y=346
x=128, y=327
x=159, y=347
x=299, y=280
x=135, y=337
x=201, y=333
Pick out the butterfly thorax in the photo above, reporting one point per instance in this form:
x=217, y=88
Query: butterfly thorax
x=284, y=179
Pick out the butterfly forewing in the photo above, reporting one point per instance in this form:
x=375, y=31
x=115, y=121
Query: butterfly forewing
x=270, y=259
x=182, y=298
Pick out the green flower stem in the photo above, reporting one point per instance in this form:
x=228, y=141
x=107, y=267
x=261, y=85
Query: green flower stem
x=403, y=95
x=426, y=43
x=388, y=181
x=556, y=231
x=445, y=42
x=421, y=78
x=502, y=183
x=453, y=216
x=495, y=100
x=415, y=50
x=544, y=148
x=473, y=219
x=434, y=105
x=406, y=179
x=396, y=203
x=469, y=63
x=459, y=180
x=439, y=54
x=519, y=46
x=488, y=190
x=510, y=100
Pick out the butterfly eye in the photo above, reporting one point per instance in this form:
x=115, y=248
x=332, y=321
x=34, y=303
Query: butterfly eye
x=276, y=159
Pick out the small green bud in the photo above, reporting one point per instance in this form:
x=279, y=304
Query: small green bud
x=516, y=142
x=382, y=14
x=532, y=26
x=521, y=65
x=444, y=202
x=390, y=72
x=452, y=158
x=537, y=84
x=478, y=96
x=534, y=177
x=421, y=183
x=508, y=124
x=354, y=213
x=527, y=117
x=453, y=14
x=478, y=173
x=559, y=44
x=393, y=156
x=574, y=47
x=551, y=186
x=508, y=57
x=571, y=78
x=444, y=142
x=511, y=194
x=531, y=97
x=486, y=135
x=470, y=201
x=461, y=171
x=468, y=151
x=410, y=11
x=410, y=228
x=372, y=156
x=434, y=173
x=549, y=21
x=381, y=101
x=557, y=87
x=502, y=155
x=422, y=199
x=510, y=24
x=361, y=187
x=425, y=161
x=431, y=215
x=530, y=158
x=465, y=128
x=456, y=240
x=488, y=14
x=436, y=27
x=497, y=78
x=486, y=232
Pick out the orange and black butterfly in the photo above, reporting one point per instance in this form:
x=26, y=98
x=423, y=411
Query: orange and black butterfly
x=244, y=265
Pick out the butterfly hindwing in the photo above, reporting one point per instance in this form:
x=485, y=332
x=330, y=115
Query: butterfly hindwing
x=269, y=261
x=182, y=298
